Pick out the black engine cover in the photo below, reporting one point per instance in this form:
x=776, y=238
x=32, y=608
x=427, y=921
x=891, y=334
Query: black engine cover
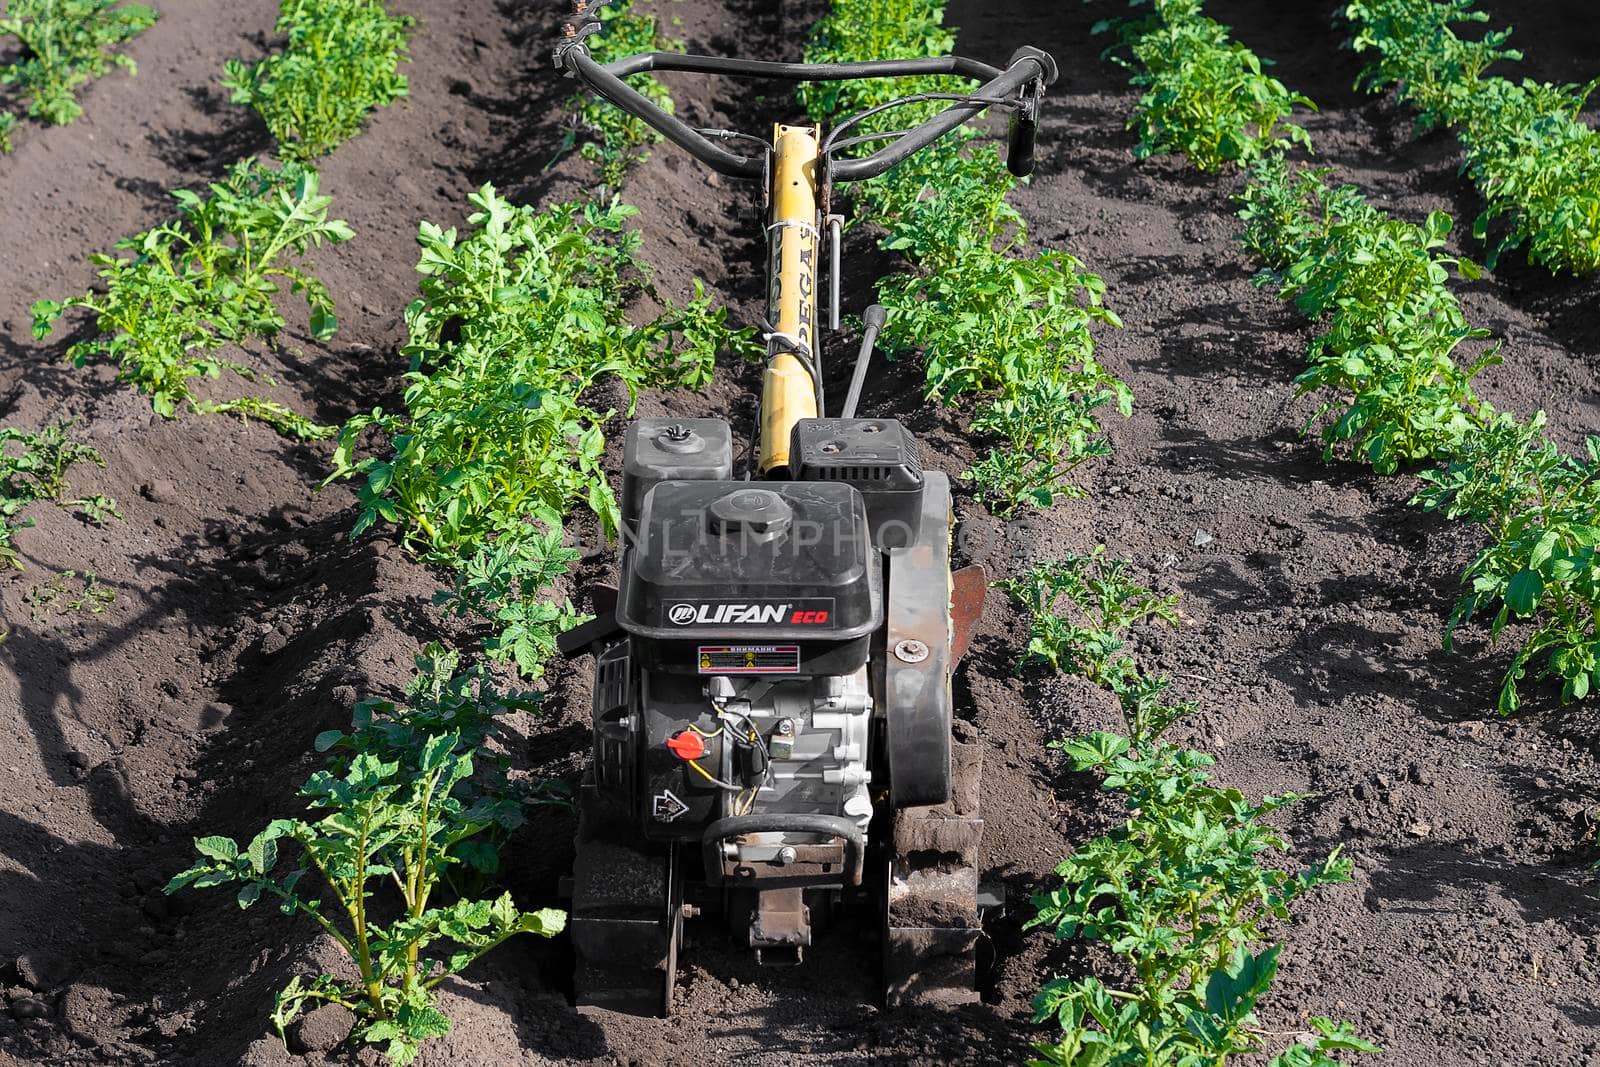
x=727, y=569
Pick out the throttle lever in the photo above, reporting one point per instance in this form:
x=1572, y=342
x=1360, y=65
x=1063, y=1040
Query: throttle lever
x=1024, y=130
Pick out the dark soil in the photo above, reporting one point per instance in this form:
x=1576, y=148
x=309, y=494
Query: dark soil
x=246, y=623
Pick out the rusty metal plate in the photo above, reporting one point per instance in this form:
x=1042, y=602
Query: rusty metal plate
x=967, y=588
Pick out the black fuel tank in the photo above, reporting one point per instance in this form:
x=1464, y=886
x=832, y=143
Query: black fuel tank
x=752, y=578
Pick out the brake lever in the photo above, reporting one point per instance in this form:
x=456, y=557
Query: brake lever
x=1023, y=130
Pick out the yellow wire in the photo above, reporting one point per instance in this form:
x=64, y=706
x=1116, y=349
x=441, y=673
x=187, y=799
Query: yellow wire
x=703, y=772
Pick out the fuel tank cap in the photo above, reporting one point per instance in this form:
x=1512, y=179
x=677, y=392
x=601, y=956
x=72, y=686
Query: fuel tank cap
x=757, y=513
x=680, y=440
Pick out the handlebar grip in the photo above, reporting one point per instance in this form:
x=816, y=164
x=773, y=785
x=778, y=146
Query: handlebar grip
x=1019, y=144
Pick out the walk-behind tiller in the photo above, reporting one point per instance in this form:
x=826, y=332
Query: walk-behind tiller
x=772, y=708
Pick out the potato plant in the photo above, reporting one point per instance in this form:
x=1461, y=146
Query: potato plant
x=341, y=61
x=1203, y=95
x=175, y=295
x=1050, y=429
x=445, y=697
x=1534, y=160
x=387, y=821
x=986, y=321
x=1541, y=511
x=1079, y=608
x=512, y=583
x=62, y=45
x=69, y=593
x=1020, y=330
x=1182, y=892
x=612, y=139
x=33, y=469
x=517, y=320
x=1391, y=326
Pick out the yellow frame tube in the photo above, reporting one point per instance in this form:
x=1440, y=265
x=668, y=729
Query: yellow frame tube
x=787, y=391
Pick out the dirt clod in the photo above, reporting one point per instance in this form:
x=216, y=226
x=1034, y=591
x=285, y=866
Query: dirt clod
x=87, y=1012
x=320, y=1029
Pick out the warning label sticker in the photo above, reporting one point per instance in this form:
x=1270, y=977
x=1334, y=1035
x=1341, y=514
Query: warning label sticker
x=749, y=659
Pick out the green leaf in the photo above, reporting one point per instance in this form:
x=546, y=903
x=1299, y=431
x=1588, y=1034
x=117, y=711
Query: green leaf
x=380, y=1031
x=263, y=854
x=1232, y=990
x=480, y=855
x=437, y=750
x=1543, y=549
x=221, y=849
x=547, y=922
x=1523, y=592
x=184, y=879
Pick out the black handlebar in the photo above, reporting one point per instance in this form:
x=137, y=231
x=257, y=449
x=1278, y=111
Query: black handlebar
x=1027, y=66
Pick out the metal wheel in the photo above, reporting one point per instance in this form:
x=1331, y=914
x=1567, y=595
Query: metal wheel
x=627, y=914
x=931, y=920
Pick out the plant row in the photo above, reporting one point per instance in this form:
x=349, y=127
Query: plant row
x=988, y=318
x=1535, y=161
x=401, y=831
x=517, y=322
x=520, y=322
x=1180, y=893
x=1390, y=330
x=60, y=46
x=1184, y=892
x=174, y=297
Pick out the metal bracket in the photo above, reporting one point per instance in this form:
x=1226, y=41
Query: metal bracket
x=835, y=225
x=780, y=929
x=837, y=860
x=573, y=34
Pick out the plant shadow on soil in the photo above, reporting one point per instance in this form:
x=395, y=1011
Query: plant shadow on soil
x=206, y=154
x=52, y=376
x=215, y=595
